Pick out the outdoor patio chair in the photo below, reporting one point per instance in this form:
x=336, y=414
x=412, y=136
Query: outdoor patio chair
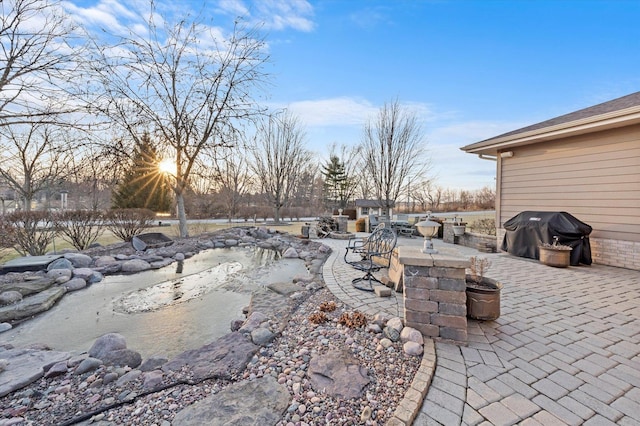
x=402, y=226
x=359, y=244
x=373, y=222
x=375, y=256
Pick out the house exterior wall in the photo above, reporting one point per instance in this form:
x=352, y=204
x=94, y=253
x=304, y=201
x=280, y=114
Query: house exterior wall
x=595, y=177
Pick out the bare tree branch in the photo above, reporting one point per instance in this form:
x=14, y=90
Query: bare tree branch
x=279, y=157
x=183, y=85
x=39, y=62
x=393, y=152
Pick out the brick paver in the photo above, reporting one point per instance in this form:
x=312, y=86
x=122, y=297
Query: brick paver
x=565, y=350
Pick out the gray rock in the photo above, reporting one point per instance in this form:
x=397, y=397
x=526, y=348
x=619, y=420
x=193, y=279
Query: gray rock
x=374, y=328
x=410, y=334
x=10, y=297
x=129, y=377
x=135, y=265
x=253, y=322
x=5, y=326
x=248, y=403
x=122, y=358
x=381, y=319
x=58, y=273
x=261, y=336
x=74, y=361
x=161, y=263
x=87, y=364
x=152, y=379
x=138, y=244
x=179, y=256
x=29, y=287
x=391, y=334
x=236, y=324
x=107, y=343
x=31, y=305
x=84, y=273
x=413, y=348
x=61, y=280
x=75, y=284
x=61, y=263
x=152, y=363
x=230, y=243
x=78, y=260
x=109, y=378
x=223, y=358
x=25, y=366
x=152, y=258
x=290, y=253
x=96, y=277
x=57, y=369
x=395, y=323
x=102, y=261
x=337, y=373
x=286, y=289
x=111, y=268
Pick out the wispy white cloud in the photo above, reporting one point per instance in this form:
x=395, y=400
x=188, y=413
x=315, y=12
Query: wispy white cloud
x=341, y=111
x=111, y=16
x=466, y=132
x=276, y=15
x=350, y=111
x=369, y=17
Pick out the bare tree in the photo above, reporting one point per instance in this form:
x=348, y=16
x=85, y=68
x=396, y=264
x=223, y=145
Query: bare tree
x=38, y=60
x=34, y=159
x=428, y=195
x=392, y=152
x=95, y=174
x=233, y=179
x=184, y=84
x=279, y=157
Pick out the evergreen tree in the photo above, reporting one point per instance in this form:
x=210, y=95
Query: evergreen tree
x=143, y=185
x=336, y=182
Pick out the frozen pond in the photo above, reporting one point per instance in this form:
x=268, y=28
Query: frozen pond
x=162, y=311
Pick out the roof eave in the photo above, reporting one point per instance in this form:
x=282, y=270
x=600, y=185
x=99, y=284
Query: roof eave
x=612, y=120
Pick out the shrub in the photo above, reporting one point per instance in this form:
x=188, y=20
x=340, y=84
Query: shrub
x=32, y=231
x=361, y=225
x=127, y=223
x=485, y=226
x=80, y=228
x=7, y=233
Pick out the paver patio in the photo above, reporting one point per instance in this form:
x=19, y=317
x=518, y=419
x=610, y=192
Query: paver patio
x=565, y=350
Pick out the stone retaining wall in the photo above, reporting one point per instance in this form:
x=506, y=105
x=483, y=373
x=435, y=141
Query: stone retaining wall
x=480, y=242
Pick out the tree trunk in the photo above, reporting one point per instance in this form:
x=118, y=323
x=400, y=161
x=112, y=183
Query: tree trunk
x=277, y=214
x=182, y=216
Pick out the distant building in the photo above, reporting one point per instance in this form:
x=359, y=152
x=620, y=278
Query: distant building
x=376, y=207
x=586, y=163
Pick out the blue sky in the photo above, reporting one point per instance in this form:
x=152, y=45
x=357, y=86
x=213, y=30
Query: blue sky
x=471, y=69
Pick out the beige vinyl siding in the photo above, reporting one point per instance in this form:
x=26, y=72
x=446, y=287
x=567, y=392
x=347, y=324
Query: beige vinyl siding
x=595, y=177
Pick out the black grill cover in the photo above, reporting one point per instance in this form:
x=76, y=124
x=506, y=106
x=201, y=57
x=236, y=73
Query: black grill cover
x=527, y=230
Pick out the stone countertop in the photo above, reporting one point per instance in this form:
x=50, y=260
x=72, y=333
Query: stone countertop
x=413, y=256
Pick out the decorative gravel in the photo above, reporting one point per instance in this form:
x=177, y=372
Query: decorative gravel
x=68, y=398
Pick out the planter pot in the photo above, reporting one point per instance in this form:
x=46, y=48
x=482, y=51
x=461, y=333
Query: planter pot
x=483, y=299
x=459, y=230
x=558, y=258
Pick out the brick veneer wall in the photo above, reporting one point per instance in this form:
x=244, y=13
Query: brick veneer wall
x=622, y=254
x=434, y=294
